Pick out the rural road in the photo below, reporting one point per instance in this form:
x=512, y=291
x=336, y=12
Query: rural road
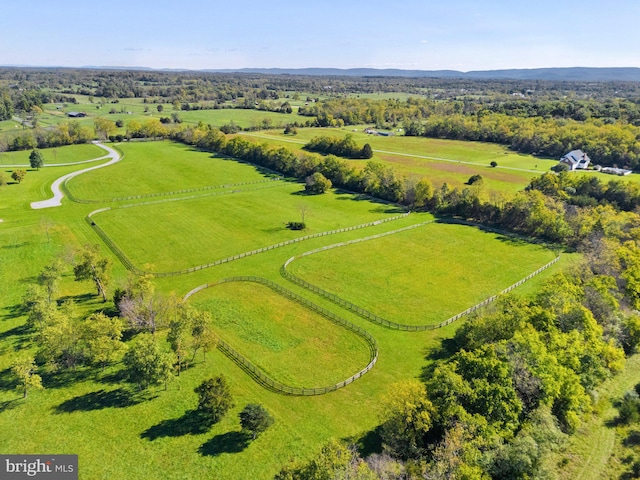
x=56, y=200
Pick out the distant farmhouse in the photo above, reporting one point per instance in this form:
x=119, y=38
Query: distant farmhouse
x=76, y=114
x=576, y=160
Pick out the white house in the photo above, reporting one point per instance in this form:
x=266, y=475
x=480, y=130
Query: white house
x=576, y=160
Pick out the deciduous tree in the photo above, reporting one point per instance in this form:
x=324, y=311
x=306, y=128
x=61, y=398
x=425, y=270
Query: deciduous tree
x=25, y=369
x=407, y=417
x=91, y=266
x=317, y=183
x=214, y=399
x=102, y=339
x=255, y=419
x=49, y=278
x=35, y=159
x=145, y=362
x=18, y=175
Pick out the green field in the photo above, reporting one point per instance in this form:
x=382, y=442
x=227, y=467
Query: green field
x=242, y=117
x=422, y=276
x=201, y=230
x=120, y=433
x=175, y=167
x=290, y=343
x=60, y=155
x=450, y=161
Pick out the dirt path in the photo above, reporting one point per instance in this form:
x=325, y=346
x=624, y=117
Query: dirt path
x=56, y=200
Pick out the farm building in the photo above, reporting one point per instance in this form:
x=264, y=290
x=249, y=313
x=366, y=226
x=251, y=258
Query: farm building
x=615, y=171
x=76, y=114
x=576, y=160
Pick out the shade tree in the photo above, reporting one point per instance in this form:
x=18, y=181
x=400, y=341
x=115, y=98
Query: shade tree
x=91, y=266
x=25, y=370
x=214, y=399
x=255, y=419
x=35, y=159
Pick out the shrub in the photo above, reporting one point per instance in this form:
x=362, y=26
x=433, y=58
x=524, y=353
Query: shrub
x=494, y=164
x=560, y=167
x=296, y=225
x=317, y=183
x=474, y=179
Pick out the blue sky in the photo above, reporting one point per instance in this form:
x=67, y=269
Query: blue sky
x=410, y=34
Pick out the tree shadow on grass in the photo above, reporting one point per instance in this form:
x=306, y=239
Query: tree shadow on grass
x=78, y=299
x=7, y=379
x=10, y=404
x=20, y=337
x=369, y=443
x=633, y=439
x=15, y=245
x=13, y=311
x=230, y=442
x=118, y=398
x=114, y=378
x=64, y=378
x=191, y=423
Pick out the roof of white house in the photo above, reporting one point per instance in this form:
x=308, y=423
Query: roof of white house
x=576, y=159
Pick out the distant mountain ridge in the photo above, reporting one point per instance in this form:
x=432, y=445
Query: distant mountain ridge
x=575, y=74
x=585, y=74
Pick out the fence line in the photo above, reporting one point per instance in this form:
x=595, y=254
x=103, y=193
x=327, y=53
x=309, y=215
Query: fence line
x=263, y=379
x=130, y=266
x=372, y=317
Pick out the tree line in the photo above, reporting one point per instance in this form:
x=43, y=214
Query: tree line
x=342, y=147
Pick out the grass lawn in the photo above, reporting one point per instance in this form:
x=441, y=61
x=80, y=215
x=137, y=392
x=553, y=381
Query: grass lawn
x=155, y=167
x=241, y=117
x=290, y=343
x=202, y=230
x=57, y=155
x=422, y=276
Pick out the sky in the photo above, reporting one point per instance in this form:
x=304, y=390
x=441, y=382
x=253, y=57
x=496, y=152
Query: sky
x=408, y=34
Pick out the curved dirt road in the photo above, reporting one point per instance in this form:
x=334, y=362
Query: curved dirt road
x=56, y=200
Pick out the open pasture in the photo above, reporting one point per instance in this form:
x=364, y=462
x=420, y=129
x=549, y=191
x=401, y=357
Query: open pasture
x=181, y=234
x=156, y=167
x=58, y=155
x=243, y=118
x=425, y=275
x=439, y=160
x=290, y=343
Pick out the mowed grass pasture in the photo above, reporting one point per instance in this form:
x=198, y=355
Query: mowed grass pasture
x=287, y=341
x=440, y=160
x=57, y=156
x=174, y=167
x=425, y=275
x=121, y=433
x=225, y=223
